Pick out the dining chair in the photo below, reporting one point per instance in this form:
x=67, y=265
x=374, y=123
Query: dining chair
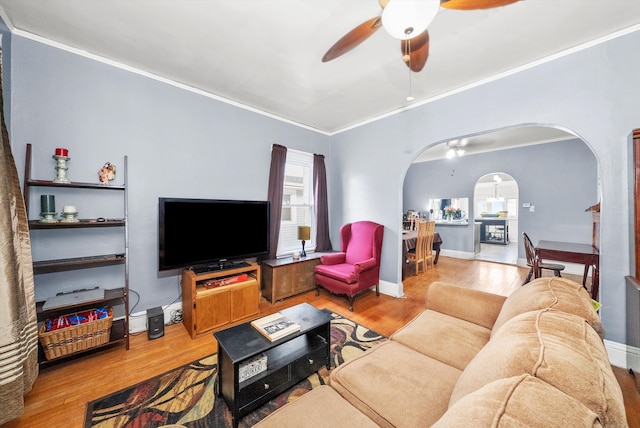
x=531, y=254
x=417, y=255
x=429, y=257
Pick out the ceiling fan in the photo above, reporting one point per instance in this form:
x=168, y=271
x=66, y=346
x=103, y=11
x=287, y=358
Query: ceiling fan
x=458, y=147
x=406, y=20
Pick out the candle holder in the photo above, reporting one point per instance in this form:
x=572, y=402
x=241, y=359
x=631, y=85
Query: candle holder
x=69, y=214
x=48, y=218
x=61, y=169
x=69, y=217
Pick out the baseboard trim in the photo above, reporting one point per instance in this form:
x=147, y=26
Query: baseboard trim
x=621, y=355
x=391, y=289
x=458, y=254
x=138, y=321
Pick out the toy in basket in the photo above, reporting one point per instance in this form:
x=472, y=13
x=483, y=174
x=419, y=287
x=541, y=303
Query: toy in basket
x=75, y=332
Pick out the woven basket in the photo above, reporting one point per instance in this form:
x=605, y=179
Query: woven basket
x=64, y=341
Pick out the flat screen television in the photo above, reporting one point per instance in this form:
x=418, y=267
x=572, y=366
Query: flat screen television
x=210, y=234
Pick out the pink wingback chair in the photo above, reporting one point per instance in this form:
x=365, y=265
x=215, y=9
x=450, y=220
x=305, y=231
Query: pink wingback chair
x=357, y=266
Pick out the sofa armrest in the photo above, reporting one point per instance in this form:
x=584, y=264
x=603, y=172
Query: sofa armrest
x=478, y=307
x=333, y=258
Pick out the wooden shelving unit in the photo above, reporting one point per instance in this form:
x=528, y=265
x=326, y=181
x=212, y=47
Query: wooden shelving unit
x=112, y=297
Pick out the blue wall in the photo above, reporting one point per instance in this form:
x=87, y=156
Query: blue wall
x=179, y=144
x=560, y=179
x=182, y=143
x=593, y=93
x=6, y=75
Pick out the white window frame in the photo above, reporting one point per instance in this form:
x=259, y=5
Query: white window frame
x=288, y=226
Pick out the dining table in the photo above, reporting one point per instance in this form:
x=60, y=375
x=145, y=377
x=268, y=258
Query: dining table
x=584, y=254
x=409, y=239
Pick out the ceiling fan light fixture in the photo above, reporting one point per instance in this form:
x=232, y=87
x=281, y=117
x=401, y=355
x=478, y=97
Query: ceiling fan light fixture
x=404, y=19
x=455, y=148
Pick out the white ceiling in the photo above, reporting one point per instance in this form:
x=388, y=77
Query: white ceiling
x=265, y=54
x=497, y=140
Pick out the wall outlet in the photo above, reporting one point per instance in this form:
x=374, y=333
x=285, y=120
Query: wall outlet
x=526, y=205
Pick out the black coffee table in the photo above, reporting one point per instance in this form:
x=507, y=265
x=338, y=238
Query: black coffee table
x=289, y=360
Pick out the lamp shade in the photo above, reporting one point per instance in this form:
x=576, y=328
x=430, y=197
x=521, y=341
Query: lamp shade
x=304, y=233
x=404, y=19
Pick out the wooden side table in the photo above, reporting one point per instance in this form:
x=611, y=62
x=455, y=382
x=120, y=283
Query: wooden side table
x=282, y=278
x=585, y=254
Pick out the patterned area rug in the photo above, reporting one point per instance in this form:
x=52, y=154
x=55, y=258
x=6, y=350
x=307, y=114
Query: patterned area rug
x=185, y=396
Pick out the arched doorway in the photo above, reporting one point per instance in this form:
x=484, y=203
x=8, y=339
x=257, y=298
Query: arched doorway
x=539, y=156
x=495, y=202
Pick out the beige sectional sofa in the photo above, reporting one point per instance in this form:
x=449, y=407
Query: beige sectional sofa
x=475, y=359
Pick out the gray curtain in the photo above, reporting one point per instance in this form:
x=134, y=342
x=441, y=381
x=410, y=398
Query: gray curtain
x=323, y=242
x=18, y=325
x=276, y=189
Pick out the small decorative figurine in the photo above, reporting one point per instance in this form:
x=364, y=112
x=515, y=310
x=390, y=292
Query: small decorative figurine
x=107, y=173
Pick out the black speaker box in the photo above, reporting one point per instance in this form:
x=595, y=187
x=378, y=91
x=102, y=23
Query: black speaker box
x=155, y=323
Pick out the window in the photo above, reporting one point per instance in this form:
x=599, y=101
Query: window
x=297, y=203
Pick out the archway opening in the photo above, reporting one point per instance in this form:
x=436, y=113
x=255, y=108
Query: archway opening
x=557, y=177
x=495, y=201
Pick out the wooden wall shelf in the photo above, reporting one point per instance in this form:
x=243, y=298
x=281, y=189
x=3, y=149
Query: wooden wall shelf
x=81, y=224
x=60, y=265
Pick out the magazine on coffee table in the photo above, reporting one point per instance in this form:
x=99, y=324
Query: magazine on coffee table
x=275, y=326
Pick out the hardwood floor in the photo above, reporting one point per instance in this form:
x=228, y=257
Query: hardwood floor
x=60, y=393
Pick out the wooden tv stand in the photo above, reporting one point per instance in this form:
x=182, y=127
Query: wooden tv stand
x=204, y=309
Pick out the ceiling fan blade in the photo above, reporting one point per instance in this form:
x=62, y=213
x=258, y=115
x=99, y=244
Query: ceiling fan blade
x=353, y=38
x=418, y=48
x=474, y=4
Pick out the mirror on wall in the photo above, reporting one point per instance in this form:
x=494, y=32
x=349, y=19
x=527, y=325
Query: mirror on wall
x=456, y=209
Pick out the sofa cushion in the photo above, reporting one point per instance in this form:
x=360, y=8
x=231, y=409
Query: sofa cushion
x=396, y=386
x=476, y=306
x=558, y=348
x=560, y=294
x=520, y=401
x=444, y=338
x=320, y=407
